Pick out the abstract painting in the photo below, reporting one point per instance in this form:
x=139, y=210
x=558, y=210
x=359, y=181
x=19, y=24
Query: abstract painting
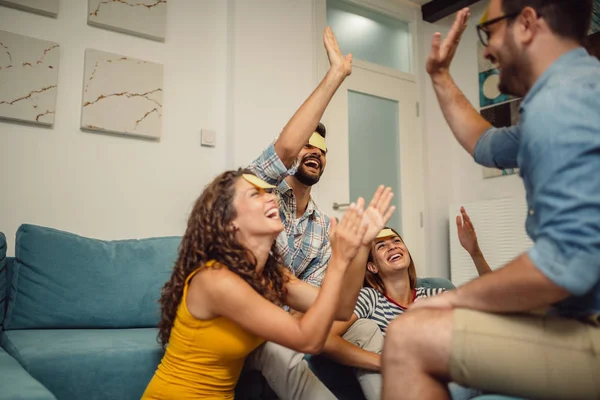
x=595, y=25
x=502, y=115
x=145, y=18
x=28, y=78
x=44, y=7
x=593, y=45
x=122, y=95
x=498, y=108
x=489, y=77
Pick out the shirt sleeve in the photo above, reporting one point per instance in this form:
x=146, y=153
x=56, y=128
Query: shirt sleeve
x=563, y=177
x=498, y=147
x=269, y=167
x=366, y=303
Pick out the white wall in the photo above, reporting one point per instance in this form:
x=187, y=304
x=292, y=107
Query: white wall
x=272, y=69
x=117, y=187
x=239, y=67
x=451, y=174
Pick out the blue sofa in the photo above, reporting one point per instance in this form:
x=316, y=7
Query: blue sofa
x=79, y=319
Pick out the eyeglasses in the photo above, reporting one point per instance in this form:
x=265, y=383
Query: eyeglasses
x=484, y=34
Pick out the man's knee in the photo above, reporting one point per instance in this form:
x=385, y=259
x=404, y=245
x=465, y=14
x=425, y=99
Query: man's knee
x=417, y=327
x=420, y=337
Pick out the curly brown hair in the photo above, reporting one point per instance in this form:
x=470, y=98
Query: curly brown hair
x=374, y=280
x=210, y=235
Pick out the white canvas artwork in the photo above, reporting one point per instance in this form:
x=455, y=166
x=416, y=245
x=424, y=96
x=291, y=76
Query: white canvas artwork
x=145, y=18
x=122, y=95
x=44, y=7
x=28, y=78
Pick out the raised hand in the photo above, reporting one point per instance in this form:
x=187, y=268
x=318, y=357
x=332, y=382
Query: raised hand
x=378, y=213
x=466, y=233
x=441, y=54
x=337, y=60
x=349, y=232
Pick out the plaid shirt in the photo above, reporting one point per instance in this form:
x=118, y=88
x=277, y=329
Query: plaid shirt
x=304, y=243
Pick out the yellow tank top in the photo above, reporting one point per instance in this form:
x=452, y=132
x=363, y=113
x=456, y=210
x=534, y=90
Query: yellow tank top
x=203, y=359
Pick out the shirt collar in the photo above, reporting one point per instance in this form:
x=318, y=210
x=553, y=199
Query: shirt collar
x=286, y=189
x=569, y=58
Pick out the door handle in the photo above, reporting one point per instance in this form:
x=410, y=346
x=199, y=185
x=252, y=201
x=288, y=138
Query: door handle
x=337, y=206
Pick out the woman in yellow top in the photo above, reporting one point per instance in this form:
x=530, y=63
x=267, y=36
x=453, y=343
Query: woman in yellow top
x=225, y=295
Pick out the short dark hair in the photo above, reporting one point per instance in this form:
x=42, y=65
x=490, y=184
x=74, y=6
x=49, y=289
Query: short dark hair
x=321, y=130
x=567, y=18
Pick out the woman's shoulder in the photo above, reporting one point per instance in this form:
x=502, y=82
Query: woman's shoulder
x=370, y=293
x=211, y=274
x=422, y=291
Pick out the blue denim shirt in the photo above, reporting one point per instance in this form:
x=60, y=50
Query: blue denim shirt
x=557, y=148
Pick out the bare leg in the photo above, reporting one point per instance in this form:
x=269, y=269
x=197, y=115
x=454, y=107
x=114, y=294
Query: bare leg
x=416, y=356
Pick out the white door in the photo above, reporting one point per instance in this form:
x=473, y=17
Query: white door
x=373, y=138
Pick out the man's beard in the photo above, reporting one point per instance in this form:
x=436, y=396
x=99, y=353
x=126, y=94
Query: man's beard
x=510, y=81
x=512, y=75
x=305, y=177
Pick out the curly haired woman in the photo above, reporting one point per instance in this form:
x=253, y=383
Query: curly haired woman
x=225, y=295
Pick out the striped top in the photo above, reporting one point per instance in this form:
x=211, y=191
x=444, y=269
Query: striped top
x=373, y=305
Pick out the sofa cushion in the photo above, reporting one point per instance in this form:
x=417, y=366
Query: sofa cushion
x=88, y=363
x=435, y=283
x=3, y=277
x=62, y=280
x=17, y=384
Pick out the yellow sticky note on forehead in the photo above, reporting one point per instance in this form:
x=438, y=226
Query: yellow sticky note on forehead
x=484, y=17
x=256, y=181
x=384, y=233
x=318, y=141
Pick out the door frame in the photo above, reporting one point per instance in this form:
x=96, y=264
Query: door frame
x=402, y=10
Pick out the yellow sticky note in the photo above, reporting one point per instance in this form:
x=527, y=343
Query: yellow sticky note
x=256, y=181
x=484, y=17
x=384, y=233
x=318, y=141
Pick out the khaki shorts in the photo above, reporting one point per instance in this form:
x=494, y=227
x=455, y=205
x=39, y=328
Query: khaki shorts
x=530, y=356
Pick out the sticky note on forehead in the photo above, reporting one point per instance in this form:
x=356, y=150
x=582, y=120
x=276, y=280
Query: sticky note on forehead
x=318, y=141
x=484, y=17
x=384, y=233
x=256, y=181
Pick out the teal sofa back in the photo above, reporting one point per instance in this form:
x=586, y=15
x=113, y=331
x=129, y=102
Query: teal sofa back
x=434, y=283
x=62, y=280
x=3, y=277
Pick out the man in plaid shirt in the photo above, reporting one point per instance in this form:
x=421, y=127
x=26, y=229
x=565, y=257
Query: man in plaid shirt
x=304, y=243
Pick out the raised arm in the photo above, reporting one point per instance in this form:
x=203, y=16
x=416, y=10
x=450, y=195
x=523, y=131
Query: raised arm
x=464, y=120
x=468, y=240
x=231, y=297
x=299, y=128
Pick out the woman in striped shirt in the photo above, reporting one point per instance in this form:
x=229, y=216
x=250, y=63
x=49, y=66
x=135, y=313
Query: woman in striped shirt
x=390, y=288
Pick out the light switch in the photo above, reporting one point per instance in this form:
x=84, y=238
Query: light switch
x=208, y=138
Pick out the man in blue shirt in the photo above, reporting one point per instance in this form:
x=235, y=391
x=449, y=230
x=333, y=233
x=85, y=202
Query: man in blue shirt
x=490, y=333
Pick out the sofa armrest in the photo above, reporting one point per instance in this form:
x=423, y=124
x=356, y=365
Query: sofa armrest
x=17, y=384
